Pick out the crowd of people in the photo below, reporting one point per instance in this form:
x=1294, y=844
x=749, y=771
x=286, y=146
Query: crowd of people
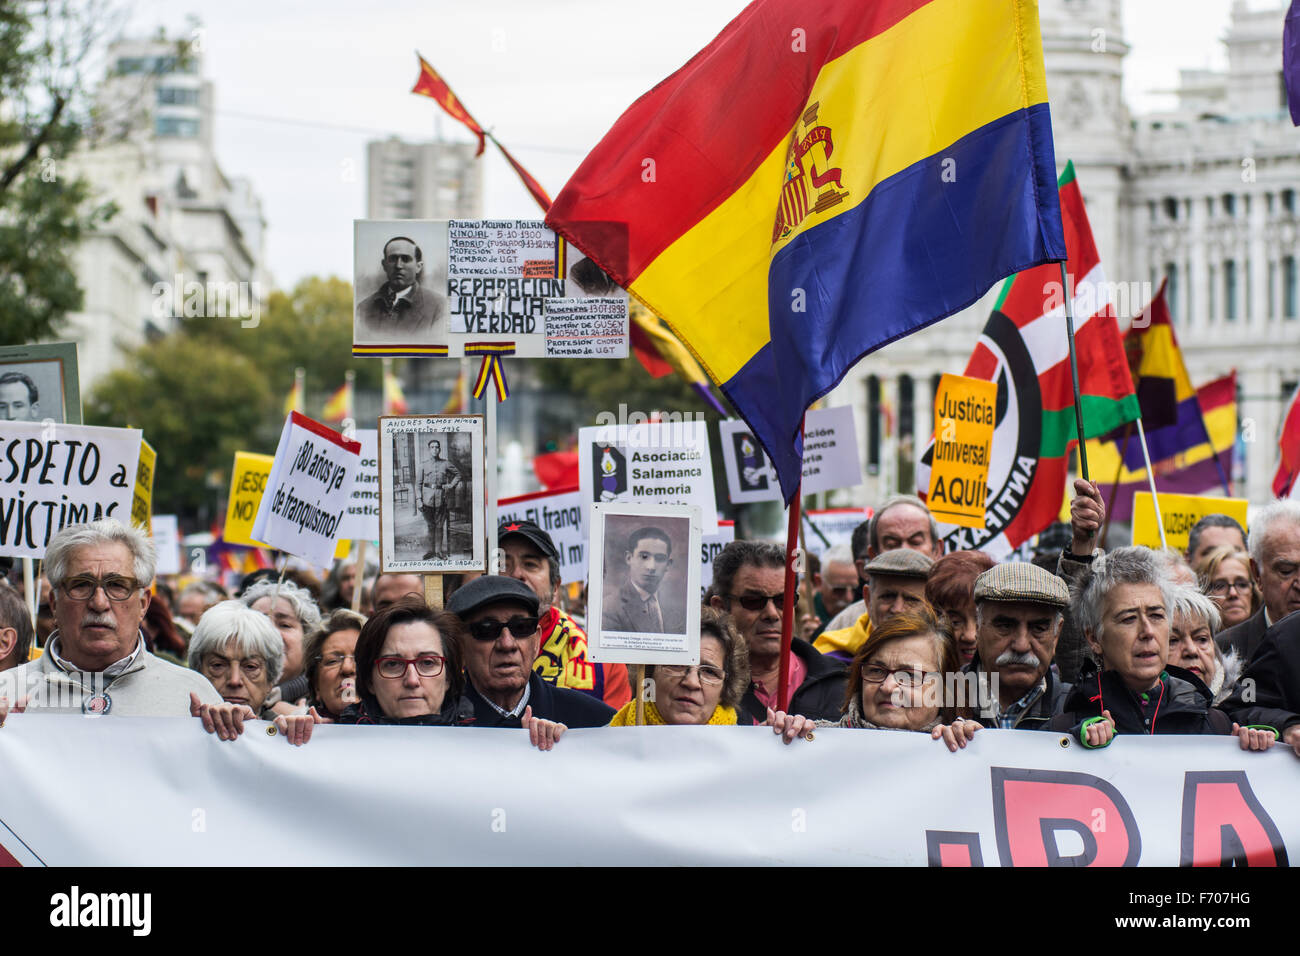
x=900, y=636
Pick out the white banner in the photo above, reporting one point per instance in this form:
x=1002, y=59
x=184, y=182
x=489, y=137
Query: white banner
x=659, y=796
x=361, y=523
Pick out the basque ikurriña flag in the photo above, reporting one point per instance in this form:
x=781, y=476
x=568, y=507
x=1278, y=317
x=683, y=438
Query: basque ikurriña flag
x=823, y=178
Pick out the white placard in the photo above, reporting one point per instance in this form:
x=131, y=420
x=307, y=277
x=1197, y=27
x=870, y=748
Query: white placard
x=665, y=463
x=834, y=525
x=711, y=546
x=361, y=523
x=750, y=475
x=53, y=475
x=307, y=494
x=830, y=450
x=558, y=512
x=587, y=328
x=167, y=542
x=643, y=603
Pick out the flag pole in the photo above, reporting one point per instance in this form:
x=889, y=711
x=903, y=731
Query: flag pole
x=787, y=607
x=1074, y=372
x=490, y=439
x=1151, y=479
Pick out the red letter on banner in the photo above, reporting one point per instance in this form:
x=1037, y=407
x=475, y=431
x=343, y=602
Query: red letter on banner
x=1030, y=807
x=1224, y=823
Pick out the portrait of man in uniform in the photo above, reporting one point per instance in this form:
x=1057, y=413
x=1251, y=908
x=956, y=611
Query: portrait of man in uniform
x=439, y=483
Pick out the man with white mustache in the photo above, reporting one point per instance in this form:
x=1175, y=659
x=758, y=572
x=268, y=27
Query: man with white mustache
x=1019, y=608
x=96, y=661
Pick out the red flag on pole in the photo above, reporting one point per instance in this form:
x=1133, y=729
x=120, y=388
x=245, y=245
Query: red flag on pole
x=1288, y=466
x=432, y=85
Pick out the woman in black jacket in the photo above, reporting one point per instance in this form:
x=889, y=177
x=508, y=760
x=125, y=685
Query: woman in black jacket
x=1125, y=612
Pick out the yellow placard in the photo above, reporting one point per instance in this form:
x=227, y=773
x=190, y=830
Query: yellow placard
x=1179, y=513
x=247, y=483
x=142, y=503
x=965, y=410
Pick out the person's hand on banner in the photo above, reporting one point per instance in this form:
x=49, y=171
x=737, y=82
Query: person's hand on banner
x=957, y=734
x=224, y=720
x=789, y=726
x=1254, y=738
x=1087, y=516
x=542, y=734
x=18, y=707
x=297, y=728
x=1098, y=731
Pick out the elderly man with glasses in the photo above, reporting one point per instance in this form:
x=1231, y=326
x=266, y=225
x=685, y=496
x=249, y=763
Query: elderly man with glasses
x=749, y=584
x=96, y=661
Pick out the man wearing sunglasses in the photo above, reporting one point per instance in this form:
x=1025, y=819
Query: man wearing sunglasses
x=95, y=661
x=501, y=615
x=749, y=584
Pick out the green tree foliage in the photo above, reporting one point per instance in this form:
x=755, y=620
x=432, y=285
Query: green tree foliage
x=43, y=213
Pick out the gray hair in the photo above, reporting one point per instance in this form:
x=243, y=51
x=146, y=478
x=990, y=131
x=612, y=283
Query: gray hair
x=104, y=531
x=14, y=613
x=840, y=554
x=252, y=632
x=208, y=592
x=1129, y=565
x=873, y=529
x=1191, y=602
x=304, y=607
x=1268, y=516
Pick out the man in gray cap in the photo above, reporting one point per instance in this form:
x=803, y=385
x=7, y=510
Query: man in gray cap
x=501, y=615
x=895, y=583
x=1019, y=608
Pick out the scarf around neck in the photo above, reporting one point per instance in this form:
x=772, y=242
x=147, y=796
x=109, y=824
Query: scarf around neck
x=722, y=716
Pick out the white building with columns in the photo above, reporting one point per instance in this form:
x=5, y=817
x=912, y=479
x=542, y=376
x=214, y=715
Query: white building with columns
x=1204, y=194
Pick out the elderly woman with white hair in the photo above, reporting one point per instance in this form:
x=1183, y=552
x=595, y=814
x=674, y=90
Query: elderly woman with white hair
x=1192, y=646
x=240, y=651
x=295, y=615
x=1125, y=610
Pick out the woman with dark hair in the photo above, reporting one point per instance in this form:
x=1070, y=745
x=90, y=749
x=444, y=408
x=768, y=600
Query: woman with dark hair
x=897, y=682
x=332, y=663
x=950, y=589
x=703, y=694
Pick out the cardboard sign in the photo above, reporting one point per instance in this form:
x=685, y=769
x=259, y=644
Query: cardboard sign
x=167, y=542
x=830, y=450
x=53, y=475
x=965, y=413
x=825, y=529
x=309, y=489
x=142, y=503
x=665, y=463
x=711, y=546
x=586, y=328
x=558, y=512
x=1179, y=514
x=361, y=523
x=247, y=483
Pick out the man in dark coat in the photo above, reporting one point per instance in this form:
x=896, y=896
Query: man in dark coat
x=1269, y=690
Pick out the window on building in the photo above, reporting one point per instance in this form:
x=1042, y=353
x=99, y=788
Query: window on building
x=1289, y=304
x=906, y=406
x=1288, y=200
x=1209, y=206
x=1229, y=204
x=1272, y=284
x=1171, y=208
x=873, y=425
x=1172, y=290
x=177, y=96
x=1230, y=290
x=1214, y=288
x=178, y=126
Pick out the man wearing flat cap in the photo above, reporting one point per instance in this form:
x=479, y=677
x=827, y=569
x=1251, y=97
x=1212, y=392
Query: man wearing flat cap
x=501, y=615
x=895, y=583
x=1019, y=608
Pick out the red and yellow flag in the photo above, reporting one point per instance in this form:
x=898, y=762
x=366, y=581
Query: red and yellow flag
x=339, y=406
x=432, y=85
x=394, y=399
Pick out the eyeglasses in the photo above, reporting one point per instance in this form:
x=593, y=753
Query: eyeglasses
x=251, y=668
x=335, y=661
x=756, y=602
x=708, y=673
x=1223, y=587
x=83, y=587
x=903, y=676
x=426, y=665
x=489, y=630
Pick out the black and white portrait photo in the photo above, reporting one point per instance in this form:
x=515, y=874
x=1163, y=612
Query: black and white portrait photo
x=646, y=561
x=431, y=494
x=35, y=381
x=399, y=282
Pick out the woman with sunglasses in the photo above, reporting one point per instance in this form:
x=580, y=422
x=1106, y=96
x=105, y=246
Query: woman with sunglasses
x=897, y=682
x=704, y=694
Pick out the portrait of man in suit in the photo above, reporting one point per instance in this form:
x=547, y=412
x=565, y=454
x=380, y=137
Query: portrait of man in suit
x=640, y=605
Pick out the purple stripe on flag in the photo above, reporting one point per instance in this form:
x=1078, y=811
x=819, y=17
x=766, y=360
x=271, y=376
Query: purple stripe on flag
x=1291, y=59
x=1196, y=479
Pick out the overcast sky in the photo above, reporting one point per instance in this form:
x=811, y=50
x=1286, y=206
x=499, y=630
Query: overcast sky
x=302, y=86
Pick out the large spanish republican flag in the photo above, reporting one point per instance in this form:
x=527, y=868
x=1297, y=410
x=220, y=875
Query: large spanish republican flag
x=1025, y=350
x=825, y=177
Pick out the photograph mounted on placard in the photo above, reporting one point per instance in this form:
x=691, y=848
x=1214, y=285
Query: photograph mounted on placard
x=399, y=283
x=643, y=604
x=39, y=383
x=431, y=494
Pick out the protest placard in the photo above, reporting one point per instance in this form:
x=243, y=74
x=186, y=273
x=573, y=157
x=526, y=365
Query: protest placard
x=711, y=546
x=1179, y=513
x=665, y=462
x=824, y=529
x=750, y=476
x=399, y=281
x=308, y=491
x=142, y=502
x=586, y=328
x=558, y=512
x=830, y=450
x=643, y=603
x=247, y=483
x=964, y=419
x=361, y=523
x=55, y=475
x=167, y=542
